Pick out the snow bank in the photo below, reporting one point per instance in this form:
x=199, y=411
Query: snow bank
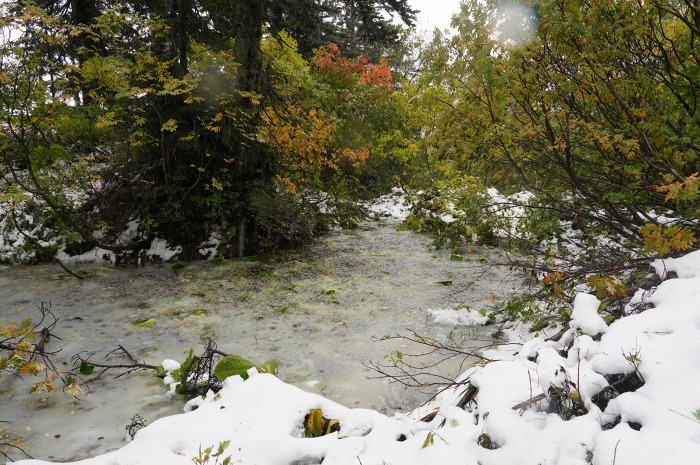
x=684, y=267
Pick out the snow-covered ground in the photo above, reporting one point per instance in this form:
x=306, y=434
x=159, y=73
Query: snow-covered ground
x=648, y=363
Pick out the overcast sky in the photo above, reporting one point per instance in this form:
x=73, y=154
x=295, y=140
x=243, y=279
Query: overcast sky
x=434, y=13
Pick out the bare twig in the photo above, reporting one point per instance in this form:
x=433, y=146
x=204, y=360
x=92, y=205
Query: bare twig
x=130, y=367
x=412, y=370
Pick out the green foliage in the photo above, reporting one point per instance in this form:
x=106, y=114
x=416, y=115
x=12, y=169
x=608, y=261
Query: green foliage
x=484, y=440
x=345, y=212
x=232, y=365
x=375, y=130
x=86, y=368
x=160, y=371
x=592, y=115
x=288, y=70
x=19, y=355
x=609, y=287
x=146, y=323
x=182, y=375
x=168, y=118
x=540, y=313
x=205, y=456
x=286, y=219
x=429, y=440
x=464, y=202
x=268, y=367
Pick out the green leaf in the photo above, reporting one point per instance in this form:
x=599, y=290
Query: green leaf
x=222, y=447
x=181, y=374
x=316, y=425
x=232, y=365
x=268, y=367
x=313, y=423
x=160, y=371
x=429, y=440
x=86, y=368
x=169, y=126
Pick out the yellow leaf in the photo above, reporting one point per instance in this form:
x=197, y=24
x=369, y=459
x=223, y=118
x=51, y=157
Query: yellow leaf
x=169, y=126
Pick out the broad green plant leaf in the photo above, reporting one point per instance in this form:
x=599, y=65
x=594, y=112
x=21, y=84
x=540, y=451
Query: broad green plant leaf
x=232, y=365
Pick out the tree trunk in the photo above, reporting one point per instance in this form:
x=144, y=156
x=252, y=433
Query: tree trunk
x=246, y=49
x=241, y=239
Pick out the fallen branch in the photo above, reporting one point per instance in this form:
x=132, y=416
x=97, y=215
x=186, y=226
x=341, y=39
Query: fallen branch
x=558, y=335
x=200, y=376
x=596, y=398
x=133, y=365
x=526, y=404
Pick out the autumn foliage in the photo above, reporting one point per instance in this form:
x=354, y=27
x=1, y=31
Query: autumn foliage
x=302, y=139
x=326, y=131
x=330, y=60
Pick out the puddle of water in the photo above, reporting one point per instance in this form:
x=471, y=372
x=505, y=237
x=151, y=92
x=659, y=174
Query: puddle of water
x=317, y=312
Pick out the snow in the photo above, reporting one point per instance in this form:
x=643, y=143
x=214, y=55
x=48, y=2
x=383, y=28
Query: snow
x=13, y=244
x=209, y=248
x=585, y=315
x=391, y=206
x=509, y=210
x=159, y=249
x=458, y=317
x=652, y=423
x=170, y=365
x=684, y=267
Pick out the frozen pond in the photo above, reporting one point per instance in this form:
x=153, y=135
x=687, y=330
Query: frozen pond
x=318, y=312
